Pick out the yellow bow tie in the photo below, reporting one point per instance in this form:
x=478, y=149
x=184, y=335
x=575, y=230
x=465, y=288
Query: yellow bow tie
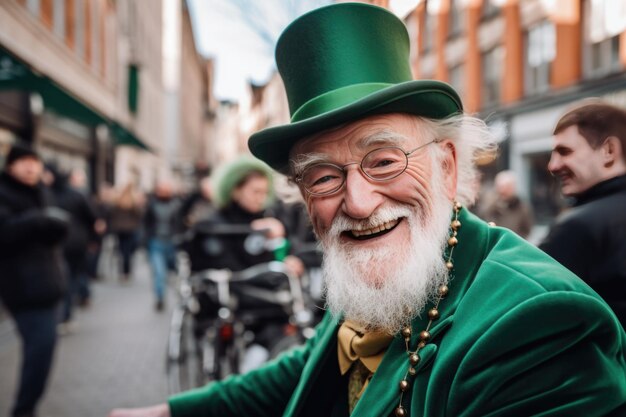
x=355, y=343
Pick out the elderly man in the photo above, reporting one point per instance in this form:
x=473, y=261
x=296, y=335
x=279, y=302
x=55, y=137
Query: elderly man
x=431, y=311
x=589, y=158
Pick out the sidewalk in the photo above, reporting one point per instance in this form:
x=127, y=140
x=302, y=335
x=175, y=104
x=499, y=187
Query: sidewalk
x=115, y=359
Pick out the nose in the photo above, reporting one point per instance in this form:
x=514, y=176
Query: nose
x=555, y=162
x=361, y=197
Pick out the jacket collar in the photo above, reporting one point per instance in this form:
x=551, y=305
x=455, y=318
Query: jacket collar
x=602, y=189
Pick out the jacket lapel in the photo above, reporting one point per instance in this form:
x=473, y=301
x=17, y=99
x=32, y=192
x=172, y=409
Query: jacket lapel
x=318, y=375
x=382, y=395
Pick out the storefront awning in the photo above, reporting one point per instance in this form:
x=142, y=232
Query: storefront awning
x=15, y=75
x=125, y=137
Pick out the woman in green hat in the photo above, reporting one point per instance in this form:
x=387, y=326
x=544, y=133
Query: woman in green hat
x=244, y=190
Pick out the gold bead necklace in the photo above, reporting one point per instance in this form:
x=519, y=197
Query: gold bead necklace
x=433, y=314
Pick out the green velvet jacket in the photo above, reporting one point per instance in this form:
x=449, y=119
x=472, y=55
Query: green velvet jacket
x=519, y=335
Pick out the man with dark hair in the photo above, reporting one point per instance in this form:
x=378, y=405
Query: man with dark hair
x=589, y=158
x=431, y=312
x=31, y=272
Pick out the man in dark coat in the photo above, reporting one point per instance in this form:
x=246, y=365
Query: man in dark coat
x=81, y=233
x=32, y=280
x=589, y=158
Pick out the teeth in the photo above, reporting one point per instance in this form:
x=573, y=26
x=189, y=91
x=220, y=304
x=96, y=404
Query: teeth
x=377, y=229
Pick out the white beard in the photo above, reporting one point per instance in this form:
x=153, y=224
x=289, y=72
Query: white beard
x=386, y=287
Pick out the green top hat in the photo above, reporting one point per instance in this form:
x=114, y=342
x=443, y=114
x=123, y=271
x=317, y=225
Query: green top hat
x=341, y=63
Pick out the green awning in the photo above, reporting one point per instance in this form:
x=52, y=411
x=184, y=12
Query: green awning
x=123, y=136
x=15, y=75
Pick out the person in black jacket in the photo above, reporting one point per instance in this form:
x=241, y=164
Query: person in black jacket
x=243, y=193
x=32, y=279
x=590, y=161
x=80, y=234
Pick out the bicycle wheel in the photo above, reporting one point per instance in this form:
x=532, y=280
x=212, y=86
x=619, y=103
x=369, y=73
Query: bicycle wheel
x=184, y=353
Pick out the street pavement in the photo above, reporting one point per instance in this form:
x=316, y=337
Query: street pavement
x=116, y=358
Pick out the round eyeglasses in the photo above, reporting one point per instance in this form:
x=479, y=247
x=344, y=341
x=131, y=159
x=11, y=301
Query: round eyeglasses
x=381, y=164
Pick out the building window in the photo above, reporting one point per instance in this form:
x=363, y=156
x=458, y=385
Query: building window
x=133, y=88
x=489, y=10
x=492, y=62
x=95, y=37
x=457, y=79
x=540, y=50
x=79, y=13
x=604, y=21
x=58, y=18
x=34, y=6
x=428, y=32
x=457, y=18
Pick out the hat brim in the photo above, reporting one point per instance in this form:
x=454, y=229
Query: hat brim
x=427, y=98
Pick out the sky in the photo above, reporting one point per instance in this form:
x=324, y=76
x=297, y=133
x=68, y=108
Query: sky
x=241, y=35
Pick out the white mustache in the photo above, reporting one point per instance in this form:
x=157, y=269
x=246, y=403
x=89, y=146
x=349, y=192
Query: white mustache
x=379, y=218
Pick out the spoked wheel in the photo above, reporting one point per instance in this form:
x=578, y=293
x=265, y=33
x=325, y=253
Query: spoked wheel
x=184, y=361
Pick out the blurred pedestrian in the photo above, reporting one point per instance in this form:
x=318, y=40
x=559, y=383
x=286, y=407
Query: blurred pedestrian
x=125, y=223
x=589, y=159
x=505, y=208
x=244, y=190
x=162, y=225
x=81, y=233
x=199, y=204
x=101, y=202
x=32, y=281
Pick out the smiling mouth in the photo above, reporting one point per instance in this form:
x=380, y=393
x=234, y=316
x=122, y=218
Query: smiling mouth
x=373, y=232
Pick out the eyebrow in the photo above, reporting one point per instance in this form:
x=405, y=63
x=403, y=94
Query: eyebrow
x=383, y=137
x=561, y=148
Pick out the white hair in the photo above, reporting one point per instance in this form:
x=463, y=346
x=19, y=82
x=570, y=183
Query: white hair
x=472, y=140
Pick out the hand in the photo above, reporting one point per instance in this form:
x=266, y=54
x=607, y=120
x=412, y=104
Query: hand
x=274, y=227
x=294, y=264
x=100, y=226
x=161, y=410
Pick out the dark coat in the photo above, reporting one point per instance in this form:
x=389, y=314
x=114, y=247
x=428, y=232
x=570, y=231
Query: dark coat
x=31, y=235
x=226, y=251
x=590, y=240
x=171, y=208
x=82, y=219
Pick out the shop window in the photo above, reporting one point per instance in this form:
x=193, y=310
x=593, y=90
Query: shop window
x=539, y=52
x=544, y=191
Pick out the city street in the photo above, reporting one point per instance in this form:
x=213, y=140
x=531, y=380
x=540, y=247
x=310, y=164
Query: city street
x=115, y=359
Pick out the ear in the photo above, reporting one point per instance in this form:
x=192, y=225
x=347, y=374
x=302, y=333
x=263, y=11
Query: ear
x=612, y=151
x=449, y=168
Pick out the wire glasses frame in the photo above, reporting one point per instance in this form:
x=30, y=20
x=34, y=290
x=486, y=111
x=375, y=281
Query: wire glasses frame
x=381, y=164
